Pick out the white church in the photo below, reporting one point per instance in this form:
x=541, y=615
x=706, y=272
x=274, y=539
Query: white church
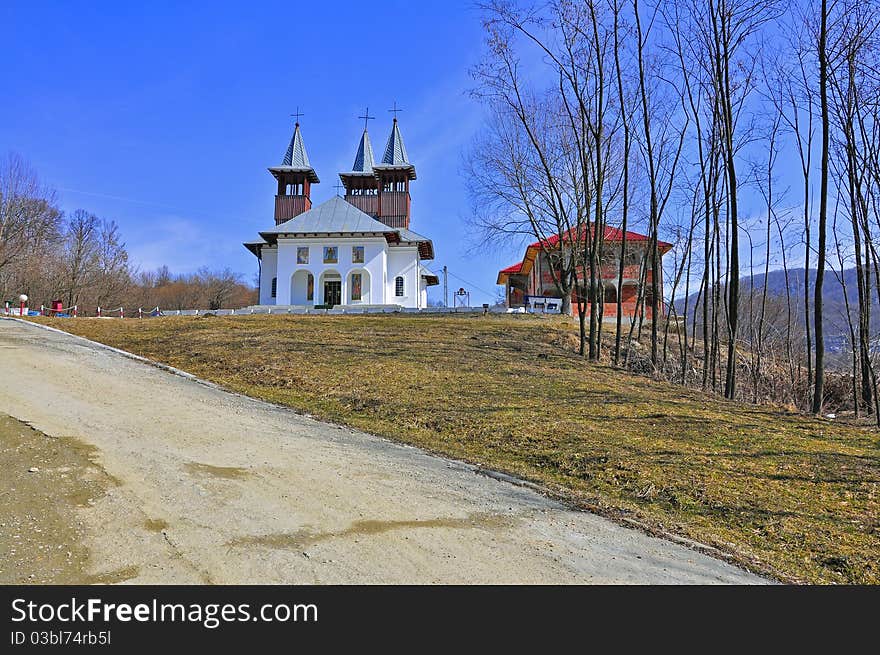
x=354, y=251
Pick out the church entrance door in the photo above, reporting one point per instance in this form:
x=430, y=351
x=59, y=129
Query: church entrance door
x=332, y=292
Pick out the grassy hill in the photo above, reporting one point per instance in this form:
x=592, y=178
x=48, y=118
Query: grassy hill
x=784, y=494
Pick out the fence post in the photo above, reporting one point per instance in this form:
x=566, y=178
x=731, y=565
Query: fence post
x=121, y=312
x=74, y=311
x=99, y=312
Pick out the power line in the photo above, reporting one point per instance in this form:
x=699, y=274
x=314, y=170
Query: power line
x=471, y=284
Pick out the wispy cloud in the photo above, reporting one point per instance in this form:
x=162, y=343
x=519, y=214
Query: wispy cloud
x=180, y=243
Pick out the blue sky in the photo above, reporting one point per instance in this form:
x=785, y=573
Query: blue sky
x=164, y=116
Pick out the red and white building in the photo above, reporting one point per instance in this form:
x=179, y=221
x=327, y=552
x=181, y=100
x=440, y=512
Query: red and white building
x=531, y=279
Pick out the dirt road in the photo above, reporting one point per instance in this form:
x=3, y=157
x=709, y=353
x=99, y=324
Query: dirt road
x=201, y=486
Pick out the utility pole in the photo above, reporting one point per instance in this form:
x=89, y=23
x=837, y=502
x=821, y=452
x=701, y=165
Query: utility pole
x=445, y=289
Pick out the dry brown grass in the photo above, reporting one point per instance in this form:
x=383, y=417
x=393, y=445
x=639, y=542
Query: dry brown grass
x=790, y=495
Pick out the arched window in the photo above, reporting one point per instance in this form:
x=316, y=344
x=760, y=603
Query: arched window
x=398, y=286
x=274, y=286
x=610, y=295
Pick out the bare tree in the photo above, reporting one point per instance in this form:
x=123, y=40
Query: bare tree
x=542, y=168
x=79, y=262
x=30, y=224
x=661, y=144
x=219, y=287
x=113, y=272
x=822, y=50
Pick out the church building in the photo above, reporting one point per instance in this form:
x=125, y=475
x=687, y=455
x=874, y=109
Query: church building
x=351, y=251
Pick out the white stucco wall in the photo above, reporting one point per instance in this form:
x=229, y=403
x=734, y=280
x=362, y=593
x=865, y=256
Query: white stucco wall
x=382, y=264
x=372, y=268
x=268, y=268
x=404, y=261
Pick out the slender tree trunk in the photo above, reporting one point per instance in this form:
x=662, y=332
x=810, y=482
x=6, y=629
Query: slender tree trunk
x=819, y=385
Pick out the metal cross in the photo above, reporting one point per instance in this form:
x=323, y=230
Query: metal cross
x=367, y=117
x=395, y=110
x=296, y=115
x=338, y=186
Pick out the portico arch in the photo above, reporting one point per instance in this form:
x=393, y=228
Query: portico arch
x=358, y=286
x=302, y=288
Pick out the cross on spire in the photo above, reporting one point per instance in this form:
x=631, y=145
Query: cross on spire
x=366, y=118
x=338, y=186
x=395, y=110
x=296, y=115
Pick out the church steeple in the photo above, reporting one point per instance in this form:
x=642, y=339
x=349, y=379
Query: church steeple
x=394, y=174
x=296, y=154
x=363, y=158
x=361, y=187
x=395, y=151
x=295, y=176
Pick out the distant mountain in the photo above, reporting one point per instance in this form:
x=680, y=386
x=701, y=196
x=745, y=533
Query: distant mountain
x=834, y=305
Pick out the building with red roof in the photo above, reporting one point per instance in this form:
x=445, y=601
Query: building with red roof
x=527, y=282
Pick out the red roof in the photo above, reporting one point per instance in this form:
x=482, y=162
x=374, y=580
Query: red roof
x=611, y=234
x=510, y=270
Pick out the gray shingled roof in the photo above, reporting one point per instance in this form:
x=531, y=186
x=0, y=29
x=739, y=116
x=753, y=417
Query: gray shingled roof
x=296, y=155
x=338, y=216
x=334, y=216
x=296, y=159
x=410, y=236
x=364, y=160
x=395, y=151
x=426, y=246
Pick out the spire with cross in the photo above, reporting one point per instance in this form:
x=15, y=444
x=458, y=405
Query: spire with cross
x=297, y=114
x=395, y=152
x=363, y=159
x=366, y=118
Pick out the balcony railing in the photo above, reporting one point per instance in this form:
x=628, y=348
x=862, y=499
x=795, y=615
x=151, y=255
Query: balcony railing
x=367, y=204
x=286, y=207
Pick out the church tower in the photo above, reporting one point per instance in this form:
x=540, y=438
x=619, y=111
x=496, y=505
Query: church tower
x=393, y=175
x=361, y=186
x=295, y=176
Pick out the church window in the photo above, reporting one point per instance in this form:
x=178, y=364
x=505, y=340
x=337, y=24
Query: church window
x=302, y=255
x=331, y=254
x=398, y=286
x=274, y=286
x=356, y=286
x=357, y=254
x=310, y=289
